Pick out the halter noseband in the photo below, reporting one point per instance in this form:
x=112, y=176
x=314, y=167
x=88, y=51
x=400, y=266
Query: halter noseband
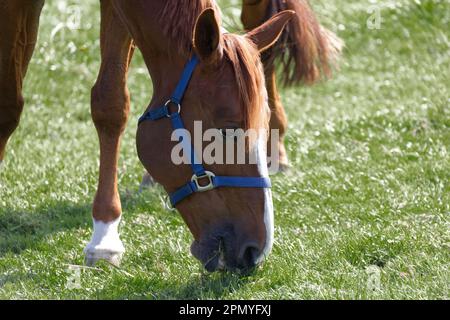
x=200, y=173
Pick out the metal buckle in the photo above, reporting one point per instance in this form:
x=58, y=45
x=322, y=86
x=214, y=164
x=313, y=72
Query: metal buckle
x=170, y=115
x=168, y=204
x=208, y=187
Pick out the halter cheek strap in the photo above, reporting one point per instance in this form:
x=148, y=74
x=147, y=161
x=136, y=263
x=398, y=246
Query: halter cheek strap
x=200, y=174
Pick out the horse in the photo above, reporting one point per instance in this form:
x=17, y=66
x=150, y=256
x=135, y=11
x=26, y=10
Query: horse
x=199, y=72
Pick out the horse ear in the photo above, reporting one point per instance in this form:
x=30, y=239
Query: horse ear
x=207, y=36
x=268, y=33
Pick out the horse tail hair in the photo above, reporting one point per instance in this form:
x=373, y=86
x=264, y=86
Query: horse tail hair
x=306, y=50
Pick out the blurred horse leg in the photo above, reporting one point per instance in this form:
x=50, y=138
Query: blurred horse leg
x=19, y=23
x=110, y=104
x=278, y=119
x=254, y=13
x=306, y=52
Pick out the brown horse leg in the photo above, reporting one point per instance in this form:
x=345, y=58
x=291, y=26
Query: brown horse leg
x=254, y=13
x=278, y=121
x=110, y=104
x=19, y=23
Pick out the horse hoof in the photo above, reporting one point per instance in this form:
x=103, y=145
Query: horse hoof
x=147, y=182
x=113, y=258
x=105, y=244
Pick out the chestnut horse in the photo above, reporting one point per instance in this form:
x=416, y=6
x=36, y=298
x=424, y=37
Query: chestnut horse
x=232, y=227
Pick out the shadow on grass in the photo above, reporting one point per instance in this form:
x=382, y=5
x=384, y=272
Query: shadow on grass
x=219, y=285
x=20, y=230
x=24, y=229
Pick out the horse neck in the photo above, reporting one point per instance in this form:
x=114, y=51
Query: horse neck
x=165, y=70
x=164, y=56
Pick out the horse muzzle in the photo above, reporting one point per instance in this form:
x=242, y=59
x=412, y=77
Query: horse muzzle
x=220, y=251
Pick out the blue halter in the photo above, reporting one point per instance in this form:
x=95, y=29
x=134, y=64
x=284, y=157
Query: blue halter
x=200, y=173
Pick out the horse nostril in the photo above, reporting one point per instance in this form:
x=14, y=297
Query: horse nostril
x=248, y=258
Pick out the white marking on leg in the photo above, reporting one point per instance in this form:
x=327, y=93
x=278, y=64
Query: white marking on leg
x=105, y=243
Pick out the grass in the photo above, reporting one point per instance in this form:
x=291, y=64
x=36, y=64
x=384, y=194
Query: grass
x=368, y=198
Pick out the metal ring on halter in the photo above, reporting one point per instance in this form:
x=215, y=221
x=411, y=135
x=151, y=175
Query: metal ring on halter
x=210, y=186
x=168, y=204
x=170, y=115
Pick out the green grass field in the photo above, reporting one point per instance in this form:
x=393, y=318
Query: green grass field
x=363, y=214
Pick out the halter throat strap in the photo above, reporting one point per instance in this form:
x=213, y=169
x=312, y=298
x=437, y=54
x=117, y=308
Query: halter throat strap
x=200, y=176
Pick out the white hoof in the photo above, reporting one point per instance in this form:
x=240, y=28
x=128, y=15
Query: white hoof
x=105, y=244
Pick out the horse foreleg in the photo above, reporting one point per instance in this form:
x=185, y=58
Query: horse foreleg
x=110, y=104
x=255, y=13
x=19, y=23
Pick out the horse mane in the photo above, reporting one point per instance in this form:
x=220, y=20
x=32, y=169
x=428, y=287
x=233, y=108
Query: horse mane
x=239, y=51
x=178, y=20
x=306, y=50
